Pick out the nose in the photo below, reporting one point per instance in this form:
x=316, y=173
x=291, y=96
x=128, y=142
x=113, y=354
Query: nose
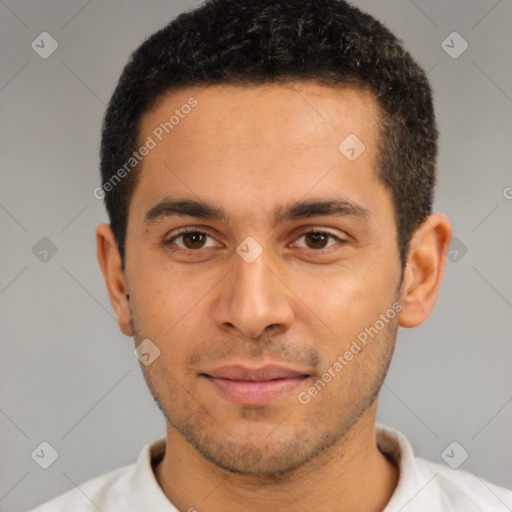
x=253, y=298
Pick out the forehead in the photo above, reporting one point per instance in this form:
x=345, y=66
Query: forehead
x=257, y=114
x=260, y=143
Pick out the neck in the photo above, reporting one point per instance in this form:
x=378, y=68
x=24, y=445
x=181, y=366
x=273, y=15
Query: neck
x=351, y=474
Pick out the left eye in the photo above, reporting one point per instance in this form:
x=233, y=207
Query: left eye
x=192, y=240
x=318, y=239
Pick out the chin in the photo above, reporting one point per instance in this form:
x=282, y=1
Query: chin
x=262, y=456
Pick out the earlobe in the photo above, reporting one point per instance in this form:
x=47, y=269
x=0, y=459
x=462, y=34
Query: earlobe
x=110, y=263
x=424, y=269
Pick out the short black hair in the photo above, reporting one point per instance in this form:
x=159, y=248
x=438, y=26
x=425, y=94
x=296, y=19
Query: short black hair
x=254, y=42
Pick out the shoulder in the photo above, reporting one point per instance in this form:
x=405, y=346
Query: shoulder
x=461, y=490
x=97, y=493
x=129, y=488
x=424, y=486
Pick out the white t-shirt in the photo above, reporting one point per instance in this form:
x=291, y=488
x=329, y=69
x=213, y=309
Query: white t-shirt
x=423, y=486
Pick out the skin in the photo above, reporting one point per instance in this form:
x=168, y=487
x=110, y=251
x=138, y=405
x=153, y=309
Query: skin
x=300, y=303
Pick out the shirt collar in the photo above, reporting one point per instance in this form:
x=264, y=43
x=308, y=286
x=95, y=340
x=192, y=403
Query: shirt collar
x=411, y=492
x=148, y=494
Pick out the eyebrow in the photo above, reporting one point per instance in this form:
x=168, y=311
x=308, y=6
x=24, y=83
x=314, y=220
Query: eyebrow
x=185, y=207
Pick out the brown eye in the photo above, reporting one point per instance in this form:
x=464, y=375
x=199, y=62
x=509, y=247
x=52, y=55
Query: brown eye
x=318, y=240
x=192, y=241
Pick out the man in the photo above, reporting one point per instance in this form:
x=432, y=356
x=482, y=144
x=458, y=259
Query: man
x=268, y=169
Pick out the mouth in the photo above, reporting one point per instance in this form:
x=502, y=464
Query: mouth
x=254, y=387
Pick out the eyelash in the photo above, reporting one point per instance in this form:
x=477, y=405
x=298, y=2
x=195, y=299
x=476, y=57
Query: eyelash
x=169, y=241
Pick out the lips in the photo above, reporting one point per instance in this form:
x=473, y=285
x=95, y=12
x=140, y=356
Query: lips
x=254, y=386
x=266, y=373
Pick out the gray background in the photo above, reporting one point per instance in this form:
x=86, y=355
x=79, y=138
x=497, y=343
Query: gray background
x=68, y=376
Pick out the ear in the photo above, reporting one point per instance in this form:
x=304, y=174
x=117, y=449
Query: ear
x=424, y=270
x=109, y=260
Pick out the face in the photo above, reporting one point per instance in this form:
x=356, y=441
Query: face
x=288, y=260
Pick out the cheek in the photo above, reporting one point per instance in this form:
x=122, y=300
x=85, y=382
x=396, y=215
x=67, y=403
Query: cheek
x=171, y=309
x=164, y=295
x=348, y=298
